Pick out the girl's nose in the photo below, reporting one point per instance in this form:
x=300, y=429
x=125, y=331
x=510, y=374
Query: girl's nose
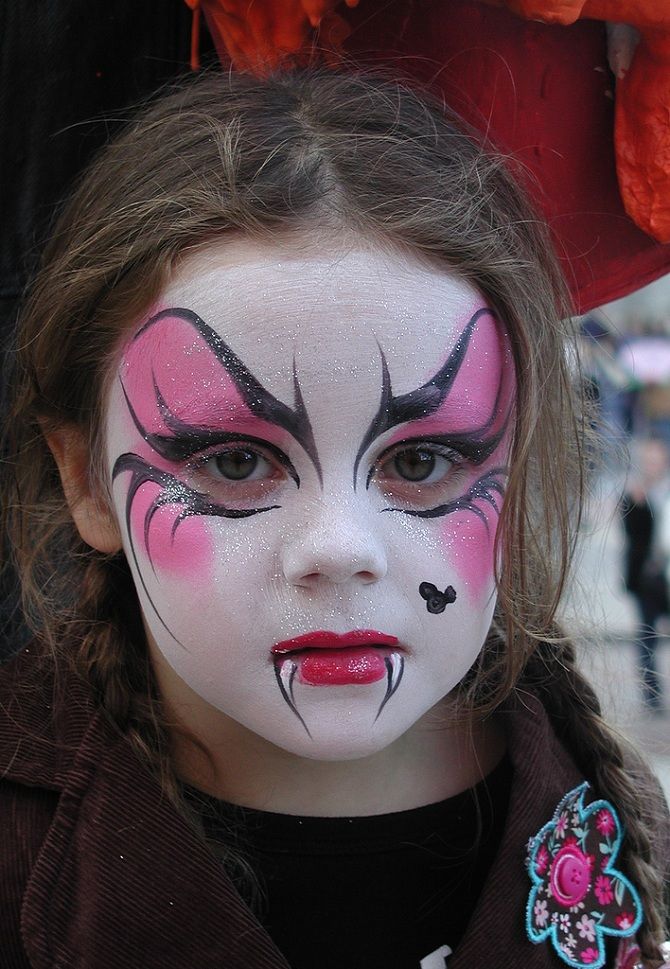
x=334, y=547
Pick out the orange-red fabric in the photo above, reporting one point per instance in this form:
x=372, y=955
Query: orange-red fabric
x=642, y=129
x=541, y=92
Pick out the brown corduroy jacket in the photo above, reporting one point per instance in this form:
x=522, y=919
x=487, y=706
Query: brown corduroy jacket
x=98, y=871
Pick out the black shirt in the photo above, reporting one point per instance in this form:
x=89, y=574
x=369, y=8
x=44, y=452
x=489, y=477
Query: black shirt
x=391, y=891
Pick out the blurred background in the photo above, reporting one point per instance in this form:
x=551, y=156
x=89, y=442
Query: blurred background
x=618, y=605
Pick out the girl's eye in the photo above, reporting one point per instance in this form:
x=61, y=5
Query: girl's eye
x=240, y=464
x=419, y=465
x=238, y=472
x=414, y=465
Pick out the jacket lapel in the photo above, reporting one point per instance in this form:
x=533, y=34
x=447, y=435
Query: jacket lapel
x=121, y=880
x=543, y=774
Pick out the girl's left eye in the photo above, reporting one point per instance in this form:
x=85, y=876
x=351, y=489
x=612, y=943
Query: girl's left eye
x=418, y=464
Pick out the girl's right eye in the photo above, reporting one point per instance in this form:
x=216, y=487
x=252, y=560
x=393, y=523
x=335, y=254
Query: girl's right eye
x=239, y=473
x=239, y=465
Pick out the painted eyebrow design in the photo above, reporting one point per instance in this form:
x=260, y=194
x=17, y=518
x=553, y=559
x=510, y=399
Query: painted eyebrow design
x=427, y=398
x=191, y=438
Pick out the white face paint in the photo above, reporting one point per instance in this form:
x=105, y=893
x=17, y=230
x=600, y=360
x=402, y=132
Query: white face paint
x=305, y=447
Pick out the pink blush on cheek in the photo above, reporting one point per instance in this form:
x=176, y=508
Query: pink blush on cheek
x=186, y=551
x=469, y=545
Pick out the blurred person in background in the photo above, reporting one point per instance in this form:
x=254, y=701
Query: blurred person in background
x=646, y=520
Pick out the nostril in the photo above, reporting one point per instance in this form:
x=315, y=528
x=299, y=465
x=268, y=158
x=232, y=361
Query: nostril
x=310, y=579
x=367, y=576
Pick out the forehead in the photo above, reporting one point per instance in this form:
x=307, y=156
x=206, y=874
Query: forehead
x=325, y=308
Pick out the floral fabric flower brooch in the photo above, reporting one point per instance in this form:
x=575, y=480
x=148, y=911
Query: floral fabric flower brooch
x=578, y=896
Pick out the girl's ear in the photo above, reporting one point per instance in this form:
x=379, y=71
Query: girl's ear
x=96, y=524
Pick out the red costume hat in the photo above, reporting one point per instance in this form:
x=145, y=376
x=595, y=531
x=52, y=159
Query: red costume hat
x=541, y=88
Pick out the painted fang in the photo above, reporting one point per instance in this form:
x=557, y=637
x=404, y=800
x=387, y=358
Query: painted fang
x=361, y=657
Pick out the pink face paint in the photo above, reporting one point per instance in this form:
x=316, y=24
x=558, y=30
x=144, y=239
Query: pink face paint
x=189, y=395
x=170, y=366
x=473, y=417
x=469, y=542
x=181, y=547
x=481, y=393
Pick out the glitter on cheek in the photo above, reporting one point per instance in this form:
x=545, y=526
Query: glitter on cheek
x=460, y=540
x=187, y=550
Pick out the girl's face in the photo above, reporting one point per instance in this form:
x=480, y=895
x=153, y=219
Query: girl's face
x=308, y=454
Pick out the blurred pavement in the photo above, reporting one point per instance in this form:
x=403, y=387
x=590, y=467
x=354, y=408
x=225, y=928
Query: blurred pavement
x=603, y=617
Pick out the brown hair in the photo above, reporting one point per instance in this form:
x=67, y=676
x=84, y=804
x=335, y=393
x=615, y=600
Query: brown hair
x=306, y=150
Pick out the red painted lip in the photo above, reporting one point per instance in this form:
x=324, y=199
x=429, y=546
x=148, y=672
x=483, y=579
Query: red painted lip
x=322, y=639
x=341, y=667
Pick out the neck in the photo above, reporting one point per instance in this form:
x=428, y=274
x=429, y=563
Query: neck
x=432, y=761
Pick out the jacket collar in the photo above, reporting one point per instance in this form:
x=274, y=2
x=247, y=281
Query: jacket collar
x=43, y=718
x=129, y=861
x=543, y=773
x=118, y=854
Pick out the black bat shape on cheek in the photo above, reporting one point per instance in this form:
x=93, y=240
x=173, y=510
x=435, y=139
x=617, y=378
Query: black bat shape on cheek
x=436, y=601
x=173, y=492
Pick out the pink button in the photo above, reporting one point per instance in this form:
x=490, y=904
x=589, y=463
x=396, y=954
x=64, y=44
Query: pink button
x=570, y=876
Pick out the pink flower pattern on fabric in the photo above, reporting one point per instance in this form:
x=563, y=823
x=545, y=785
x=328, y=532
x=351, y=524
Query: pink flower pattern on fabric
x=541, y=912
x=562, y=825
x=542, y=860
x=605, y=823
x=603, y=890
x=586, y=928
x=578, y=897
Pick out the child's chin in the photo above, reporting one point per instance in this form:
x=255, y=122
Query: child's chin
x=341, y=739
x=342, y=750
